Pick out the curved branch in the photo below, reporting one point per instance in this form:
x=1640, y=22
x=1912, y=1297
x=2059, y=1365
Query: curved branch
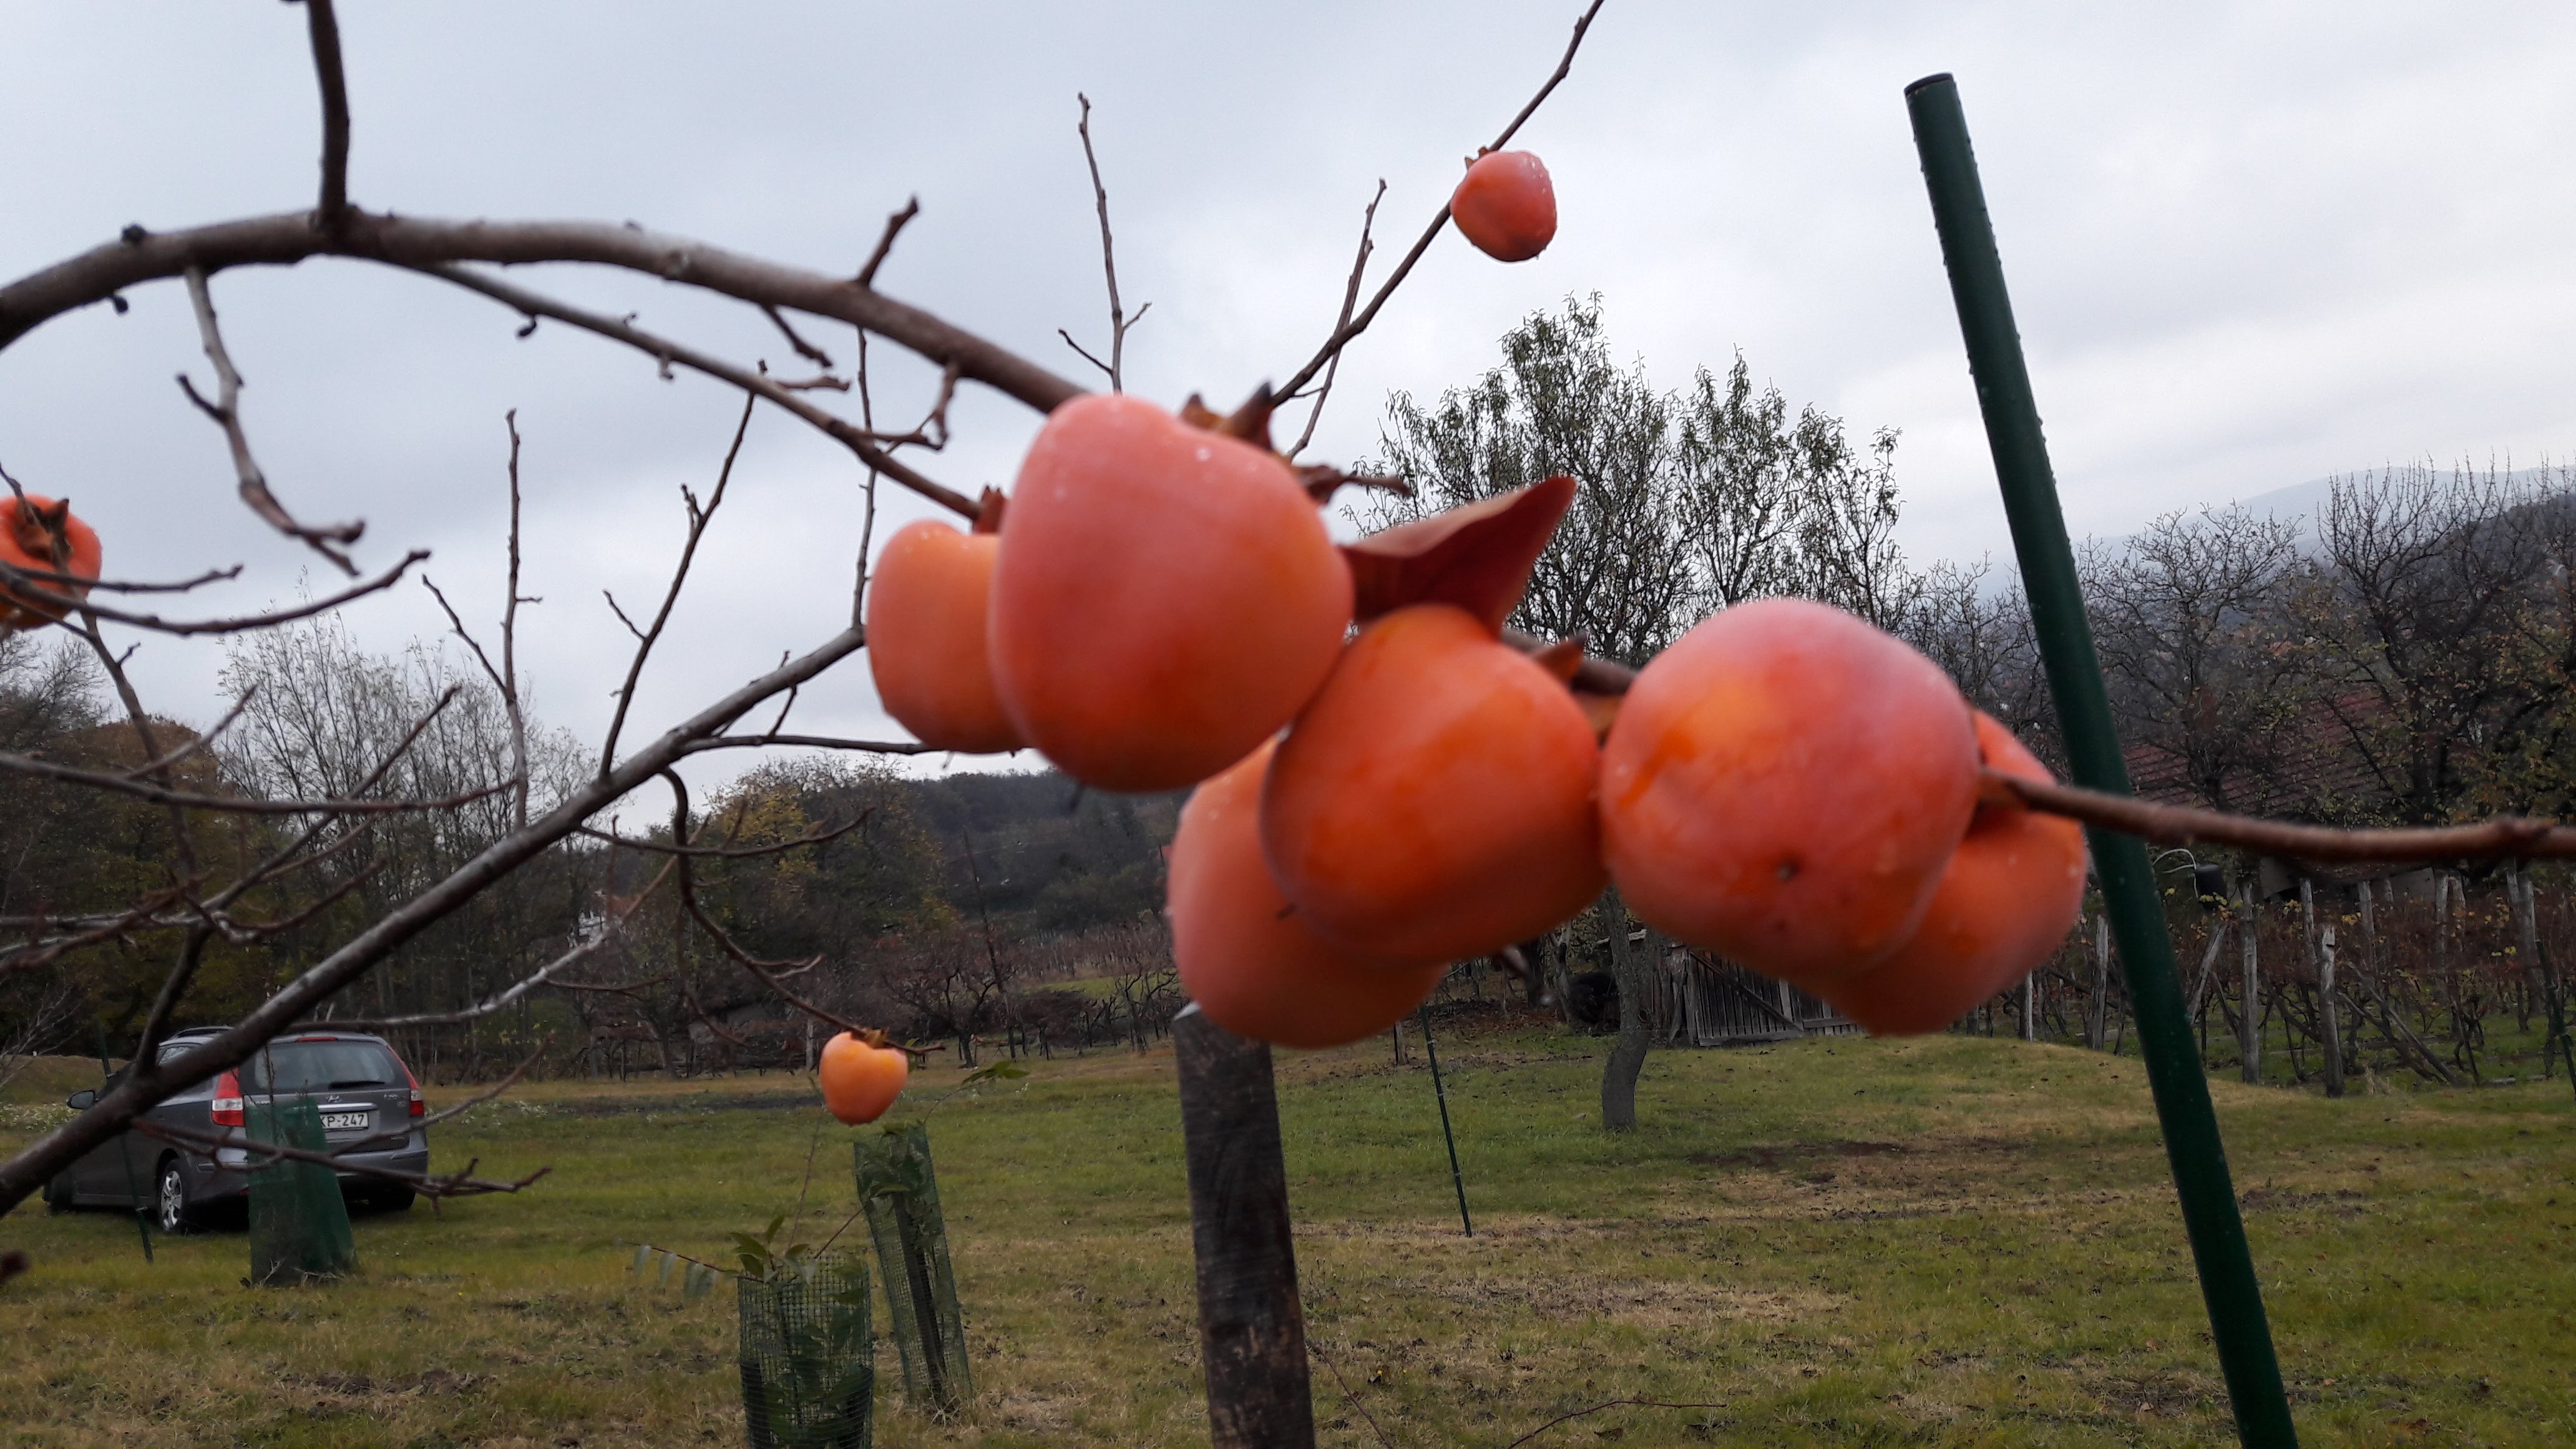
x=247, y=622
x=420, y=242
x=2507, y=838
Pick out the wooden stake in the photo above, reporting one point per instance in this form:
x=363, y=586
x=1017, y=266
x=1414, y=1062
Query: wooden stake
x=1252, y=1329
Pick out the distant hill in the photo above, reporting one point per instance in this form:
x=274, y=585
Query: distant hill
x=1047, y=854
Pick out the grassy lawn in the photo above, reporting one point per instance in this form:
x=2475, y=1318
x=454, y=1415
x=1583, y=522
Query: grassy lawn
x=1948, y=1241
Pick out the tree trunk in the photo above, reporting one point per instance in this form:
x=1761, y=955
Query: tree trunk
x=2030, y=1007
x=2249, y=1016
x=1628, y=1052
x=2527, y=938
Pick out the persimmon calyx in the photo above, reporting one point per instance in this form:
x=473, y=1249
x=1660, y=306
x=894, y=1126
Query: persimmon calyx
x=1477, y=556
x=1249, y=423
x=988, y=511
x=1323, y=480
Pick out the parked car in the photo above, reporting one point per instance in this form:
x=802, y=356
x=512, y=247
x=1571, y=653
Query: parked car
x=371, y=1112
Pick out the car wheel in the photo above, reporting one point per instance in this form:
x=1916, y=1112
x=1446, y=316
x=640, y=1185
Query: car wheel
x=58, y=1193
x=395, y=1200
x=171, y=1210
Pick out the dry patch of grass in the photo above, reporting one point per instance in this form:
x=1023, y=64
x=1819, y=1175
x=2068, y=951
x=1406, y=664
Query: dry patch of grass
x=1947, y=1242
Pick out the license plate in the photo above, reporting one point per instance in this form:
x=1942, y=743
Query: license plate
x=344, y=1121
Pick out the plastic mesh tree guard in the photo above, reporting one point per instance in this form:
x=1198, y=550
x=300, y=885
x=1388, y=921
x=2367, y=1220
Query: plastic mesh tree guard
x=299, y=1226
x=808, y=1360
x=902, y=1200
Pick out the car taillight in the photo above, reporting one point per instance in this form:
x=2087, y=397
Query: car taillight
x=418, y=1107
x=228, y=1101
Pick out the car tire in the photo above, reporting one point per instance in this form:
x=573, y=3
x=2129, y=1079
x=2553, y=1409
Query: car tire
x=58, y=1193
x=395, y=1200
x=173, y=1212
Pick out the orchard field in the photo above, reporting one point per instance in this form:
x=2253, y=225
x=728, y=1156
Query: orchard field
x=1951, y=1240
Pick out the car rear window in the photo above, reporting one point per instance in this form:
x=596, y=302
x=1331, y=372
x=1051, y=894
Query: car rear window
x=320, y=1066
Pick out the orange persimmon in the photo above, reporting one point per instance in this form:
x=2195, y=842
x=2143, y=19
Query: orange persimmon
x=1165, y=598
x=860, y=1081
x=1435, y=800
x=1248, y=958
x=2006, y=900
x=1784, y=786
x=27, y=542
x=1506, y=206
x=926, y=638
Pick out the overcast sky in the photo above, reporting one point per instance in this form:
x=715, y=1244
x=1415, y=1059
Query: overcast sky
x=2249, y=245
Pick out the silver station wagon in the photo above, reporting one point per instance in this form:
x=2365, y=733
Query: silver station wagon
x=370, y=1105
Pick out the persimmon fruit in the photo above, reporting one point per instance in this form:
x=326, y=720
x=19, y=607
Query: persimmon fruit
x=1506, y=205
x=1165, y=597
x=1435, y=800
x=860, y=1081
x=2006, y=900
x=1252, y=961
x=926, y=619
x=27, y=542
x=1784, y=787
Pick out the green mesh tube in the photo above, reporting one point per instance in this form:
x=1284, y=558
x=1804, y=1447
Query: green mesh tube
x=299, y=1226
x=808, y=1360
x=902, y=1201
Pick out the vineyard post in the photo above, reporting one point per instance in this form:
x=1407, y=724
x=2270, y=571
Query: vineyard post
x=2229, y=1289
x=1252, y=1328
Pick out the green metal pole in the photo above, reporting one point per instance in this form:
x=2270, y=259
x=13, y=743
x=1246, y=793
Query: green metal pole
x=2199, y=1160
x=1441, y=1091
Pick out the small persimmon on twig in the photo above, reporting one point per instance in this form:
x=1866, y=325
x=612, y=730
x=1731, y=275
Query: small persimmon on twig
x=1343, y=334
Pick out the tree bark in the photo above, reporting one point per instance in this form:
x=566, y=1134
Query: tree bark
x=1252, y=1329
x=2096, y=1023
x=1628, y=1051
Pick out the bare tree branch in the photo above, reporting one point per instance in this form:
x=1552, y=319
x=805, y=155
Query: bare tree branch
x=461, y=1183
x=858, y=441
x=155, y=1081
x=332, y=214
x=1350, y=299
x=226, y=411
x=424, y=244
x=811, y=742
x=2507, y=838
x=1343, y=334
x=231, y=804
x=247, y=622
x=699, y=518
x=1119, y=321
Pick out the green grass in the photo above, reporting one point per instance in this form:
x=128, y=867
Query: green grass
x=1949, y=1241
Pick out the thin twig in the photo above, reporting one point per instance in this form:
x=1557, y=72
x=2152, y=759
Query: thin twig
x=460, y=1183
x=1597, y=1408
x=858, y=441
x=247, y=622
x=1119, y=321
x=728, y=852
x=231, y=804
x=1343, y=334
x=699, y=518
x=13, y=574
x=449, y=1114
x=2504, y=838
x=1350, y=299
x=811, y=742
x=804, y=349
x=895, y=223
x=226, y=412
